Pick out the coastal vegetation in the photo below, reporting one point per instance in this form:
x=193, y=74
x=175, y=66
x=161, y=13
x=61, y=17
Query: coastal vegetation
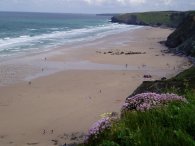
x=164, y=18
x=158, y=112
x=182, y=40
x=177, y=83
x=171, y=124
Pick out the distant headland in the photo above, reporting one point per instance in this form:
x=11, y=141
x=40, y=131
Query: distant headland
x=181, y=41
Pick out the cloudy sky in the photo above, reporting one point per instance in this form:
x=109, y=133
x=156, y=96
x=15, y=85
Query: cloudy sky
x=95, y=6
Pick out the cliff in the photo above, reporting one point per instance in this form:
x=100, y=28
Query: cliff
x=140, y=125
x=165, y=18
x=183, y=38
x=179, y=82
x=153, y=126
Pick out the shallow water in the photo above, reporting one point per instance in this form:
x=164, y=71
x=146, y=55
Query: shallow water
x=24, y=33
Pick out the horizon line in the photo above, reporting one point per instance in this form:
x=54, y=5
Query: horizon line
x=90, y=13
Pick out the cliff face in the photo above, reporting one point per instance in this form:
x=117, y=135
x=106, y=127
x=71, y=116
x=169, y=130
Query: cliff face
x=167, y=18
x=183, y=80
x=183, y=38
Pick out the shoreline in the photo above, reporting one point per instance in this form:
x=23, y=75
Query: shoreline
x=73, y=96
x=67, y=55
x=35, y=62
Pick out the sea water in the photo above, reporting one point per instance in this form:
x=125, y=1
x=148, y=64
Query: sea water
x=23, y=33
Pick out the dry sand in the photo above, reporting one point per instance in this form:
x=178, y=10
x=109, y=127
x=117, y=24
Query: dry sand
x=44, y=102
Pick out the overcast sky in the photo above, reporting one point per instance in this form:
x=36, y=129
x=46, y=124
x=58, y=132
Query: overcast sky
x=95, y=6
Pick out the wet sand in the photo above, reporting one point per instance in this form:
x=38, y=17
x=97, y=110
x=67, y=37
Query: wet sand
x=54, y=97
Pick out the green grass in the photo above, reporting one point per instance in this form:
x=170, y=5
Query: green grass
x=171, y=125
x=187, y=76
x=152, y=18
x=166, y=18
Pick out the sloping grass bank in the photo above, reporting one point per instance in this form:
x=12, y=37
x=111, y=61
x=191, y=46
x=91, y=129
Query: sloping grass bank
x=169, y=125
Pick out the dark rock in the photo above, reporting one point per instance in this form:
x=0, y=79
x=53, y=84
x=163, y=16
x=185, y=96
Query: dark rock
x=162, y=42
x=158, y=86
x=163, y=78
x=183, y=38
x=179, y=83
x=147, y=76
x=55, y=142
x=74, y=136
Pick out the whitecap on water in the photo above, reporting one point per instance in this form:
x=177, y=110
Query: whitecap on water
x=57, y=37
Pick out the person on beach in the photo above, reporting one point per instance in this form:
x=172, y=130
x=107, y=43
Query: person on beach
x=52, y=131
x=44, y=131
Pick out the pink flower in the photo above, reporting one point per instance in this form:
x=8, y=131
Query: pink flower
x=146, y=101
x=98, y=127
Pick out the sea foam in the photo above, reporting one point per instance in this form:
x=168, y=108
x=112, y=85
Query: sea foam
x=31, y=32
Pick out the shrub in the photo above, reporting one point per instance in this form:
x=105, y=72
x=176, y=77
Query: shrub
x=146, y=101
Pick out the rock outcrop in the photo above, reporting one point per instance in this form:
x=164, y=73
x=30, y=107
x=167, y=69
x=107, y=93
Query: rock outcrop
x=182, y=40
x=179, y=83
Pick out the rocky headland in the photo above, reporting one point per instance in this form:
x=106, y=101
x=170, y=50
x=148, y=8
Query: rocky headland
x=181, y=41
x=163, y=19
x=160, y=110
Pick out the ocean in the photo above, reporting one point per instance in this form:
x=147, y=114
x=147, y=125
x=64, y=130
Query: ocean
x=23, y=33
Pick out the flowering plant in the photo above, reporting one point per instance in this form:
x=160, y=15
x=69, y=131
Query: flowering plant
x=98, y=127
x=146, y=101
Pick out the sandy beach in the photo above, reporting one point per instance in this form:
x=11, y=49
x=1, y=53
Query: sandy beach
x=54, y=97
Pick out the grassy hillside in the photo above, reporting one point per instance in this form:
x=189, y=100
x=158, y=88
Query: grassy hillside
x=160, y=118
x=178, y=83
x=170, y=125
x=166, y=18
x=187, y=76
